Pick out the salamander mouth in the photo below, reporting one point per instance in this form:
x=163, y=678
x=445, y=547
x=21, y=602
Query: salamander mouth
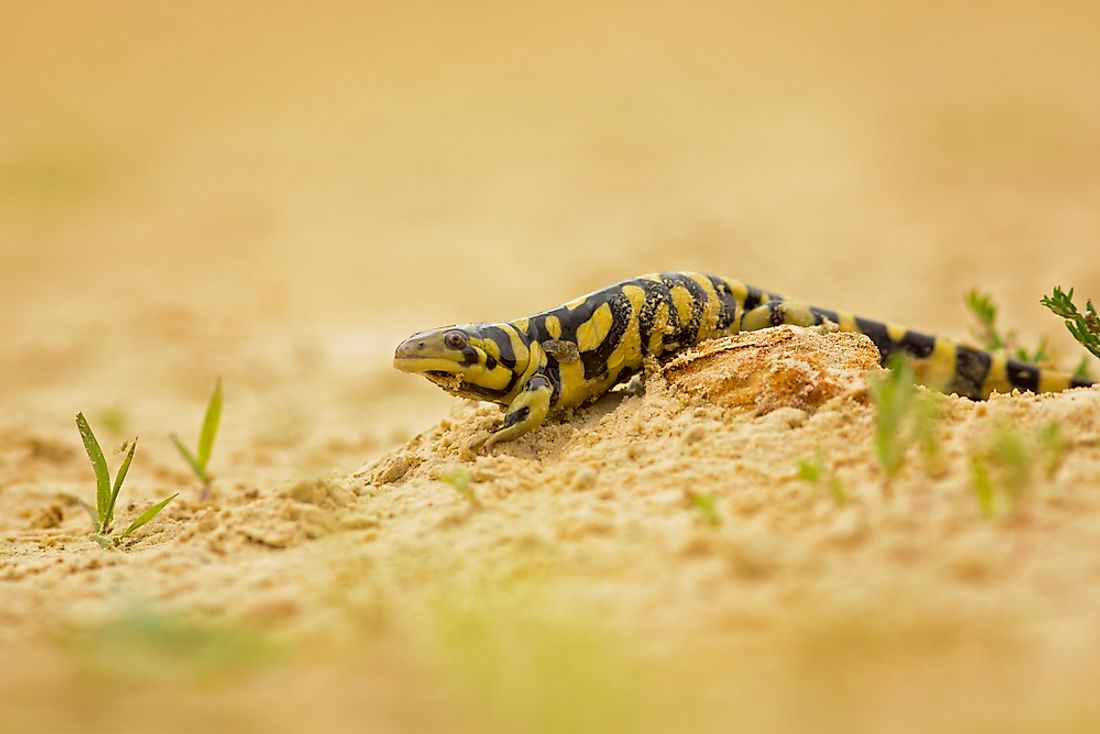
x=450, y=381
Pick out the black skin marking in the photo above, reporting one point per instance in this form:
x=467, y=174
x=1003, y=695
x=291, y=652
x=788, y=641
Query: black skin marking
x=484, y=392
x=1023, y=376
x=490, y=362
x=689, y=333
x=1081, y=382
x=918, y=345
x=517, y=417
x=777, y=313
x=820, y=314
x=877, y=333
x=971, y=369
x=469, y=356
x=554, y=378
x=595, y=360
x=504, y=344
x=729, y=304
x=752, y=298
x=655, y=294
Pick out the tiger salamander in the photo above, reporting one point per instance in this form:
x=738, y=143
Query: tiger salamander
x=569, y=355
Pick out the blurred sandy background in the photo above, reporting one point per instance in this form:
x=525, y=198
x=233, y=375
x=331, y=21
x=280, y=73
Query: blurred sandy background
x=278, y=193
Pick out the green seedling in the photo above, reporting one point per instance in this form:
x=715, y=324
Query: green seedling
x=103, y=515
x=926, y=414
x=892, y=394
x=1085, y=327
x=1003, y=466
x=459, y=478
x=1082, y=370
x=209, y=432
x=983, y=309
x=817, y=475
x=1052, y=446
x=145, y=642
x=704, y=504
x=903, y=417
x=983, y=486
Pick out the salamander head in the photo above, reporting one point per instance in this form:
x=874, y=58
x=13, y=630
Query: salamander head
x=468, y=360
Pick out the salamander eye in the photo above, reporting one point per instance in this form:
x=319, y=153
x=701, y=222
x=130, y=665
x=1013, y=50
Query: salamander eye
x=455, y=340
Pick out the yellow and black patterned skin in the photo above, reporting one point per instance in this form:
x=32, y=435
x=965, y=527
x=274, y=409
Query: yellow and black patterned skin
x=574, y=353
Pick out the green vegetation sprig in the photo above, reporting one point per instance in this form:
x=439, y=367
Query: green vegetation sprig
x=992, y=339
x=1085, y=327
x=903, y=417
x=107, y=493
x=459, y=478
x=704, y=505
x=1003, y=465
x=209, y=432
x=815, y=473
x=893, y=395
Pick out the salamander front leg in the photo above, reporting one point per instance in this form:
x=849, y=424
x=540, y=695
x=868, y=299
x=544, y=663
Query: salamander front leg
x=525, y=413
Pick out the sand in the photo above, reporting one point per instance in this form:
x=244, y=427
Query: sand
x=278, y=197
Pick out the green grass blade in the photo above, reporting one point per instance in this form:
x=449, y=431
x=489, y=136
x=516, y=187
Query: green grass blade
x=210, y=427
x=147, y=515
x=983, y=486
x=188, y=457
x=91, y=513
x=120, y=477
x=99, y=466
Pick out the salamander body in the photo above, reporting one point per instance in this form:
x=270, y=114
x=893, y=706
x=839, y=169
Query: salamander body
x=574, y=353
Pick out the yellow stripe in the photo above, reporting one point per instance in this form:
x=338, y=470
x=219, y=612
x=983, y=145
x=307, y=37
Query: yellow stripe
x=895, y=332
x=553, y=327
x=1052, y=381
x=630, y=347
x=708, y=326
x=576, y=303
x=592, y=332
x=739, y=290
x=681, y=298
x=797, y=314
x=519, y=344
x=997, y=379
x=660, y=328
x=938, y=369
x=758, y=318
x=847, y=321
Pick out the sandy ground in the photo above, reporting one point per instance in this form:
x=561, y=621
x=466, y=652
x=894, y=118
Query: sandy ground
x=277, y=197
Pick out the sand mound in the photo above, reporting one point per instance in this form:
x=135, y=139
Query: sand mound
x=776, y=368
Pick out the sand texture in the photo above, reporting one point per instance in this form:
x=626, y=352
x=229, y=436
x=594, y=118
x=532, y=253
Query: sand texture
x=277, y=195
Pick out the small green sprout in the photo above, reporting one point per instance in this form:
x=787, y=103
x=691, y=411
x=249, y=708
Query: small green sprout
x=103, y=515
x=206, y=441
x=1052, y=449
x=904, y=417
x=1082, y=372
x=147, y=642
x=704, y=505
x=983, y=486
x=990, y=337
x=815, y=473
x=459, y=478
x=893, y=396
x=1085, y=327
x=926, y=414
x=1004, y=465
